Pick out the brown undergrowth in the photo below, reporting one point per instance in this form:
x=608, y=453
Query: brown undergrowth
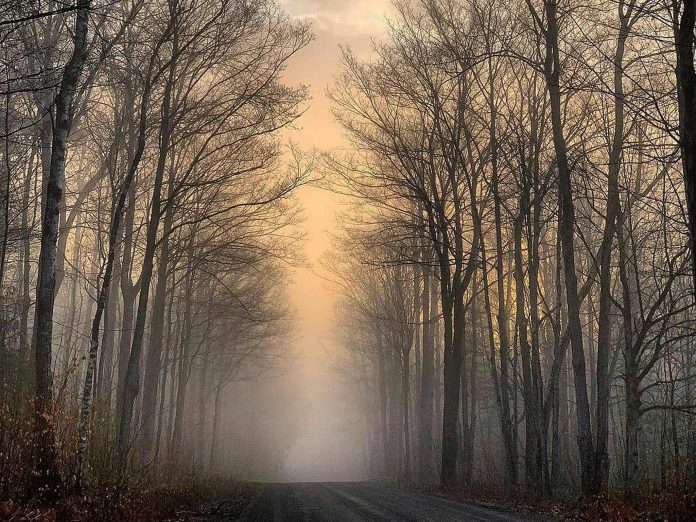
x=130, y=503
x=153, y=493
x=664, y=506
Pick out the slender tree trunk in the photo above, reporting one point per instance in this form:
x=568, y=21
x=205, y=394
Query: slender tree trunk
x=674, y=429
x=104, y=373
x=70, y=327
x=555, y=473
x=181, y=386
x=153, y=359
x=450, y=409
x=167, y=370
x=405, y=394
x=382, y=386
x=534, y=232
x=469, y=395
x=5, y=196
x=631, y=374
x=425, y=426
x=554, y=400
x=503, y=383
x=129, y=290
x=177, y=361
x=132, y=377
x=415, y=328
x=46, y=472
x=567, y=232
x=202, y=410
x=510, y=457
x=437, y=348
x=601, y=471
x=103, y=296
x=503, y=325
x=533, y=471
x=212, y=462
x=394, y=421
x=25, y=265
x=185, y=368
x=162, y=397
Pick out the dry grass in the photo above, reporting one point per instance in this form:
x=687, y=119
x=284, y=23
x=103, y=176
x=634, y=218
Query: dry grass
x=663, y=506
x=130, y=504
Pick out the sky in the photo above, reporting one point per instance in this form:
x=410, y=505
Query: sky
x=327, y=448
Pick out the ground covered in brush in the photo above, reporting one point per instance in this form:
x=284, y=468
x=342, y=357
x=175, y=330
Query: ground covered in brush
x=181, y=502
x=224, y=500
x=660, y=506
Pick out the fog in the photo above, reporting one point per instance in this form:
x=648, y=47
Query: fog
x=436, y=242
x=329, y=441
x=314, y=401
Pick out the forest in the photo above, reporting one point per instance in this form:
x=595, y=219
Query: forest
x=513, y=262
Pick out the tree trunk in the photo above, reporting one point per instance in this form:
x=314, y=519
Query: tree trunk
x=103, y=296
x=533, y=217
x=129, y=292
x=129, y=289
x=132, y=377
x=451, y=383
x=437, y=348
x=405, y=393
x=67, y=341
x=153, y=360
x=185, y=367
x=104, y=373
x=201, y=443
x=168, y=368
x=215, y=431
x=417, y=352
x=394, y=422
x=601, y=472
x=382, y=386
x=46, y=472
x=503, y=326
x=533, y=471
x=425, y=419
x=686, y=92
x=25, y=268
x=469, y=395
x=554, y=399
x=567, y=232
x=5, y=196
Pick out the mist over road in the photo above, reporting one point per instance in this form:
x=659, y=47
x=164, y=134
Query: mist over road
x=356, y=502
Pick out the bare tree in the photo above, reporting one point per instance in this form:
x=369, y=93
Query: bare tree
x=47, y=474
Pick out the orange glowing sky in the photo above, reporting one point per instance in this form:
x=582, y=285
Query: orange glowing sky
x=353, y=23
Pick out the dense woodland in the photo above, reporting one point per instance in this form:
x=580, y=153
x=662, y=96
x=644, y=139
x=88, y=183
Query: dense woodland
x=515, y=261
x=515, y=266
x=147, y=219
